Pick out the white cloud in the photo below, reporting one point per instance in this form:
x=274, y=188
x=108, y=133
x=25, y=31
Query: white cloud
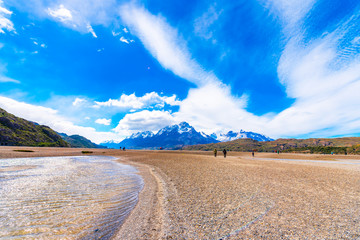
x=43, y=45
x=124, y=40
x=50, y=117
x=65, y=16
x=144, y=121
x=79, y=101
x=212, y=108
x=61, y=13
x=291, y=12
x=125, y=30
x=5, y=23
x=202, y=24
x=325, y=80
x=91, y=30
x=131, y=101
x=322, y=78
x=164, y=43
x=115, y=34
x=4, y=79
x=81, y=15
x=103, y=121
x=355, y=40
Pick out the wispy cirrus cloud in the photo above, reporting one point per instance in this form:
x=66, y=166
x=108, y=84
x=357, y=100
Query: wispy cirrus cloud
x=323, y=76
x=4, y=79
x=321, y=84
x=5, y=22
x=91, y=30
x=320, y=72
x=203, y=24
x=164, y=43
x=290, y=12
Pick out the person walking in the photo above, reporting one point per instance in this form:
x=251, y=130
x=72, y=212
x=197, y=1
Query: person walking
x=253, y=153
x=215, y=152
x=224, y=151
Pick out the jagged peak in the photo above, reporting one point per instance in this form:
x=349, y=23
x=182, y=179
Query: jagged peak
x=231, y=135
x=144, y=134
x=181, y=128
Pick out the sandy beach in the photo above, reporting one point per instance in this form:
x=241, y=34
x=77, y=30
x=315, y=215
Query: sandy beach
x=192, y=195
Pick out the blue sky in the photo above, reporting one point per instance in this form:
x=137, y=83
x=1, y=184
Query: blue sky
x=105, y=69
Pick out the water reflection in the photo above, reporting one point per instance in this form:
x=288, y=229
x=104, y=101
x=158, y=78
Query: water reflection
x=65, y=197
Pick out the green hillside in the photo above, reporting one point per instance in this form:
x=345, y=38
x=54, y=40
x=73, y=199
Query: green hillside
x=77, y=141
x=346, y=145
x=15, y=131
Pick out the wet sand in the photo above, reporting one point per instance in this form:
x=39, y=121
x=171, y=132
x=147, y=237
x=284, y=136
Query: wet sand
x=192, y=195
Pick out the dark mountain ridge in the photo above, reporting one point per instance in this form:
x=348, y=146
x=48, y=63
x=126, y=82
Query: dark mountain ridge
x=77, y=141
x=15, y=131
x=312, y=145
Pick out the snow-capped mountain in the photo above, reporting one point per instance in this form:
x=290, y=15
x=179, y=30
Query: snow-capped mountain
x=178, y=135
x=110, y=144
x=145, y=134
x=230, y=136
x=170, y=137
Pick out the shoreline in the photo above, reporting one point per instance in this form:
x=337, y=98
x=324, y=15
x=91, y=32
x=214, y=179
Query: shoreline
x=148, y=211
x=192, y=195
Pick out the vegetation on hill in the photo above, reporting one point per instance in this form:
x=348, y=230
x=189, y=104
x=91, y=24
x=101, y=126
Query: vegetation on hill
x=348, y=145
x=15, y=131
x=77, y=141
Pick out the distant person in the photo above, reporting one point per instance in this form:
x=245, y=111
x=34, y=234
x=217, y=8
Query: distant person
x=123, y=148
x=224, y=151
x=215, y=152
x=253, y=154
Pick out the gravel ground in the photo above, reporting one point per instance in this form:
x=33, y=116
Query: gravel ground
x=242, y=198
x=192, y=195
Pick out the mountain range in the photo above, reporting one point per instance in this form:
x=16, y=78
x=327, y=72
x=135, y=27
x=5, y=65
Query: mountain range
x=177, y=136
x=230, y=136
x=345, y=145
x=77, y=141
x=15, y=131
x=170, y=137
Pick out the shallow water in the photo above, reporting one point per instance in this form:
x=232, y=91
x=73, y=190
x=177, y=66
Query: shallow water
x=85, y=197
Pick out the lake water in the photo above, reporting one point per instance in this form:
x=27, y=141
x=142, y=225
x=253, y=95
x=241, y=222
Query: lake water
x=85, y=197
